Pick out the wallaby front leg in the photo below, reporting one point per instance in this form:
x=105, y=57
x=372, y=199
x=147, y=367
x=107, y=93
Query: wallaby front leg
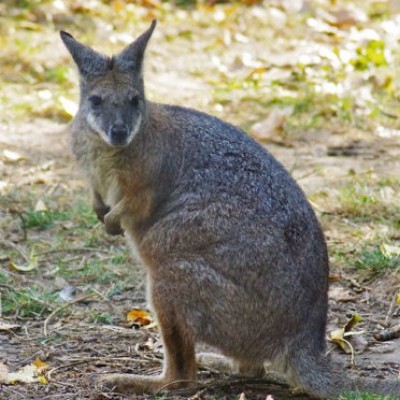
x=179, y=361
x=112, y=219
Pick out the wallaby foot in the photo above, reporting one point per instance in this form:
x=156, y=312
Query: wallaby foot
x=221, y=363
x=179, y=370
x=139, y=384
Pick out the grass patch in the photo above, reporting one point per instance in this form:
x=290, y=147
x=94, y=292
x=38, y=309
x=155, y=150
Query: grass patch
x=365, y=396
x=26, y=303
x=43, y=219
x=370, y=197
x=102, y=318
x=378, y=260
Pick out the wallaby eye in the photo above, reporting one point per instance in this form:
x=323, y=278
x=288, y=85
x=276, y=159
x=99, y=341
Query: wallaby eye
x=95, y=100
x=134, y=100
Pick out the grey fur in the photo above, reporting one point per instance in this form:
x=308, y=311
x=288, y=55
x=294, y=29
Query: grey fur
x=235, y=255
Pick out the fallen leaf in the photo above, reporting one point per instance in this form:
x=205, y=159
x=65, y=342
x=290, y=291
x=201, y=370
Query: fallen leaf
x=242, y=396
x=40, y=365
x=12, y=156
x=355, y=319
x=32, y=263
x=3, y=372
x=67, y=294
x=69, y=107
x=339, y=336
x=28, y=374
x=138, y=316
x=8, y=327
x=40, y=206
x=339, y=294
x=272, y=126
x=389, y=250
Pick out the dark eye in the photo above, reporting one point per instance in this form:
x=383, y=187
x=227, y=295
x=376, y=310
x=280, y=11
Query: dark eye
x=134, y=100
x=95, y=100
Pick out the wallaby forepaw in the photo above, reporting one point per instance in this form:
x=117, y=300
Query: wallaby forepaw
x=113, y=227
x=101, y=212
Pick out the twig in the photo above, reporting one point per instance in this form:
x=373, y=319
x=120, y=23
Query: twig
x=389, y=313
x=74, y=249
x=46, y=322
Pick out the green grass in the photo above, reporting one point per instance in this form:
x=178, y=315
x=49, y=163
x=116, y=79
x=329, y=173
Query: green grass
x=43, y=219
x=26, y=302
x=102, y=318
x=365, y=396
x=376, y=260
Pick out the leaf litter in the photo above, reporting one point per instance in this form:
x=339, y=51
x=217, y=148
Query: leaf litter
x=326, y=63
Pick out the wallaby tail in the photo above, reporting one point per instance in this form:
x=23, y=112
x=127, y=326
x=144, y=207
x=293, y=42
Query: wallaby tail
x=317, y=378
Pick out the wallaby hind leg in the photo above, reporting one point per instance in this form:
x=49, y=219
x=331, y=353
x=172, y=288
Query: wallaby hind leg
x=179, y=360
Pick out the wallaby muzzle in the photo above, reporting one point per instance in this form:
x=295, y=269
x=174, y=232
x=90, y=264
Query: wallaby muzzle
x=119, y=134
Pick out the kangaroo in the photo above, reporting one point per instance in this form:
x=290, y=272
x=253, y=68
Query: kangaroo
x=234, y=254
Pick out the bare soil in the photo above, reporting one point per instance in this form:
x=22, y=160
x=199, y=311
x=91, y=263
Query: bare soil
x=82, y=348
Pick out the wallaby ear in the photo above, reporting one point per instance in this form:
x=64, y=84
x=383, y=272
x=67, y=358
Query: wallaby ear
x=131, y=58
x=87, y=60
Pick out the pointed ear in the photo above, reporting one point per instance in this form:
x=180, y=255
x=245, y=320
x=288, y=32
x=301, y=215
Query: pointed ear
x=87, y=60
x=131, y=58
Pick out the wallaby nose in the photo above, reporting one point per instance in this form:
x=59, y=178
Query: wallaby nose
x=119, y=133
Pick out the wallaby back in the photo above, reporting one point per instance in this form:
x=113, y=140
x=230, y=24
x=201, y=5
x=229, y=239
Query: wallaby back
x=235, y=255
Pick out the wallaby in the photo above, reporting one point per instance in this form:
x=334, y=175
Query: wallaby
x=234, y=254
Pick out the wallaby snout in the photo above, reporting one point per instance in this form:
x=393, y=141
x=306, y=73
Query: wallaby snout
x=119, y=134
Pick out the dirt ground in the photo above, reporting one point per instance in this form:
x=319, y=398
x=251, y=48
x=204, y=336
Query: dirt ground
x=74, y=345
x=83, y=348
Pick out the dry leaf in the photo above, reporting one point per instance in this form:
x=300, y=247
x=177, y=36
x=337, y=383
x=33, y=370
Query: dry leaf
x=67, y=294
x=338, y=336
x=389, y=251
x=242, y=396
x=40, y=206
x=355, y=319
x=12, y=156
x=28, y=374
x=23, y=268
x=3, y=372
x=69, y=107
x=138, y=316
x=272, y=126
x=8, y=327
x=40, y=365
x=339, y=294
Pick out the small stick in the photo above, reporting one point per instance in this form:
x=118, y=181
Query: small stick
x=390, y=311
x=388, y=334
x=46, y=322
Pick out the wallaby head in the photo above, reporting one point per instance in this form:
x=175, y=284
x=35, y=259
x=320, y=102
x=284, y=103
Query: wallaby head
x=111, y=88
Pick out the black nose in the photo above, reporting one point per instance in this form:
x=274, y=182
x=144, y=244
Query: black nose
x=119, y=133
